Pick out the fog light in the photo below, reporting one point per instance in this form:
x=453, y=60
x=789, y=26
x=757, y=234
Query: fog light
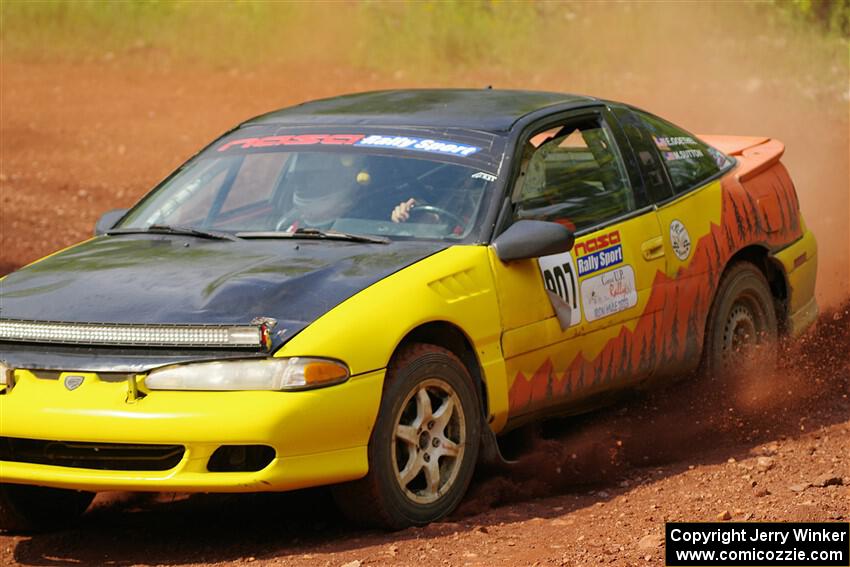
x=241, y=458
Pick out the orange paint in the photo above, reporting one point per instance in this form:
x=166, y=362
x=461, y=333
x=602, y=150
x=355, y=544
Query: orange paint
x=760, y=210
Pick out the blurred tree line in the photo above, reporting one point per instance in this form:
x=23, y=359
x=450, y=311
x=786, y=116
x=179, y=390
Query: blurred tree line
x=426, y=34
x=833, y=15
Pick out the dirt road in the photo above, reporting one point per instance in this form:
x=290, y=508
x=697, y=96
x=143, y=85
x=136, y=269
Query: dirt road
x=83, y=138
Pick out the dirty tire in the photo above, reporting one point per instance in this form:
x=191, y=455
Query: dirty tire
x=30, y=509
x=742, y=316
x=424, y=445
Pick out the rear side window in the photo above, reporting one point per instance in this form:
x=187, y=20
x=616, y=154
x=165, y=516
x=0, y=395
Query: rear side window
x=689, y=161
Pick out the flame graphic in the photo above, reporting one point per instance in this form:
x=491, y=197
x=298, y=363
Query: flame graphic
x=762, y=210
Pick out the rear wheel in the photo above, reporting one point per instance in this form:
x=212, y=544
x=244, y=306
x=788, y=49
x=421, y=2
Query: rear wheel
x=742, y=328
x=25, y=508
x=424, y=445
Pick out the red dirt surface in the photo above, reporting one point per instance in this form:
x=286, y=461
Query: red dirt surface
x=79, y=139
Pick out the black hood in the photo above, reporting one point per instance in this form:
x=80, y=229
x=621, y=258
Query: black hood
x=158, y=279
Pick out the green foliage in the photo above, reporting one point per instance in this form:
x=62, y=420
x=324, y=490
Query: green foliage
x=428, y=38
x=832, y=15
x=223, y=29
x=371, y=33
x=454, y=32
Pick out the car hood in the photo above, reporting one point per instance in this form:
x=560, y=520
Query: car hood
x=158, y=279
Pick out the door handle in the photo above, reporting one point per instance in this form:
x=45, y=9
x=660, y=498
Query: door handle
x=653, y=249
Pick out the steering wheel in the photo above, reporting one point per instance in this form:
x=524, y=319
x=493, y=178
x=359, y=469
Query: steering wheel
x=440, y=212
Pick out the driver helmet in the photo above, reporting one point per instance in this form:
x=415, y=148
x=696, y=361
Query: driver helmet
x=326, y=187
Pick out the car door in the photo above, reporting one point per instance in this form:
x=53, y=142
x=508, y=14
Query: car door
x=568, y=319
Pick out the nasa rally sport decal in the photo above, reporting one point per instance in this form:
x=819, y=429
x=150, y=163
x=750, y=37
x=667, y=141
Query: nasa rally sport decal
x=444, y=147
x=680, y=240
x=561, y=280
x=599, y=253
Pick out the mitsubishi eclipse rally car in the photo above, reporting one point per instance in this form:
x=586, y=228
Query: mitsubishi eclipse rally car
x=366, y=291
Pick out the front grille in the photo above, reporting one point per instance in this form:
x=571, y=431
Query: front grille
x=99, y=456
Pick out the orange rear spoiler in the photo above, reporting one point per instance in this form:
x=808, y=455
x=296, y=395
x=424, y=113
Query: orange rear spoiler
x=754, y=154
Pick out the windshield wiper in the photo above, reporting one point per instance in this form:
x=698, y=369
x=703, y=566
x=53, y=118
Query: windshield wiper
x=316, y=233
x=175, y=229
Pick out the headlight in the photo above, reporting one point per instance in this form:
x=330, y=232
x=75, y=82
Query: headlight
x=297, y=373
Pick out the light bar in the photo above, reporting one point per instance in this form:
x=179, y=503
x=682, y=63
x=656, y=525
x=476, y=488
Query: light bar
x=255, y=336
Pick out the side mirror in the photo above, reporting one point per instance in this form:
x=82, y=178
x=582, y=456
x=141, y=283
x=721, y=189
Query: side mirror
x=531, y=239
x=108, y=220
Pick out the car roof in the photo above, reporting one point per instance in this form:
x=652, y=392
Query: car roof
x=489, y=110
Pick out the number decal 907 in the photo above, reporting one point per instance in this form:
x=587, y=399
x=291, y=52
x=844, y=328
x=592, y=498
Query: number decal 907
x=560, y=277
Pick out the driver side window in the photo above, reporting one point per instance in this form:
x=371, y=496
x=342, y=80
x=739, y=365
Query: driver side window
x=573, y=175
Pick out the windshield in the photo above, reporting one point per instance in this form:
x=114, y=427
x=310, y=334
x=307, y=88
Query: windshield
x=392, y=186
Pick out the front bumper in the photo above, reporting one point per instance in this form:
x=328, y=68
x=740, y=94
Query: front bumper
x=319, y=436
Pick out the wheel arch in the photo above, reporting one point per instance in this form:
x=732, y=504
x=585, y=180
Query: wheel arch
x=452, y=338
x=772, y=270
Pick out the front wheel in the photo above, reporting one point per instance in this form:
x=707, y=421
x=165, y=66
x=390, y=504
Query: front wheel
x=424, y=445
x=25, y=508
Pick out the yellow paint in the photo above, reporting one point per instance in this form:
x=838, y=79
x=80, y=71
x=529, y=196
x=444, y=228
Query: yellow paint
x=533, y=333
x=453, y=286
x=697, y=210
x=800, y=263
x=321, y=436
x=294, y=423
x=284, y=473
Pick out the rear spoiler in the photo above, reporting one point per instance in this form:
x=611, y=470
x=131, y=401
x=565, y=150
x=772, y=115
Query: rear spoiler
x=754, y=154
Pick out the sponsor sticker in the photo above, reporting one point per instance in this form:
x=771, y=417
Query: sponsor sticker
x=609, y=293
x=561, y=281
x=361, y=140
x=680, y=240
x=599, y=253
x=719, y=159
x=297, y=140
x=484, y=176
x=418, y=144
x=600, y=260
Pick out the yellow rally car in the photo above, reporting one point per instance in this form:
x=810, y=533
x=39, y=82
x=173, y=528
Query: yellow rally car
x=367, y=290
